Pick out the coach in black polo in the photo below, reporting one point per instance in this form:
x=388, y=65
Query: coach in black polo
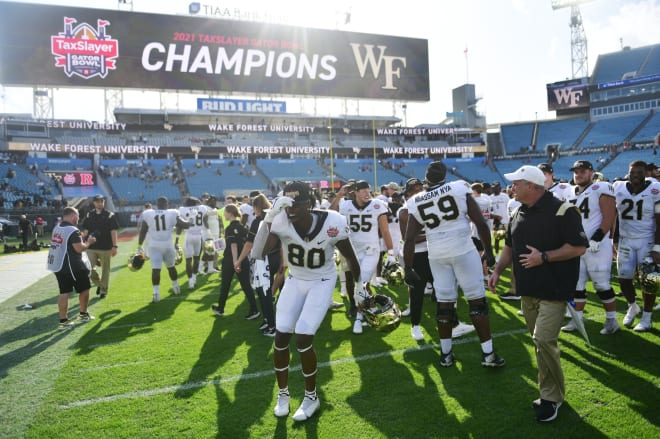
x=103, y=224
x=544, y=241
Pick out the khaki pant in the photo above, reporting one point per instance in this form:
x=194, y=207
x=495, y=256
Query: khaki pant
x=544, y=319
x=104, y=256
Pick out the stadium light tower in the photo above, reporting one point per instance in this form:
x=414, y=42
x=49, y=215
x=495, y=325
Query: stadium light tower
x=579, y=55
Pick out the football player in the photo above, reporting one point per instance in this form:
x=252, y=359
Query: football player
x=597, y=206
x=366, y=218
x=444, y=212
x=499, y=215
x=159, y=225
x=212, y=231
x=638, y=206
x=193, y=212
x=308, y=238
x=486, y=207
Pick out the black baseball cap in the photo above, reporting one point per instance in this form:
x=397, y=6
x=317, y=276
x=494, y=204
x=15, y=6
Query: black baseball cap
x=582, y=164
x=98, y=197
x=545, y=167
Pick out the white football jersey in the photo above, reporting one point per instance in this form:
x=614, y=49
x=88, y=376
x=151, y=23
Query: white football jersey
x=420, y=247
x=363, y=222
x=561, y=191
x=485, y=206
x=588, y=204
x=213, y=221
x=195, y=216
x=512, y=206
x=313, y=256
x=160, y=223
x=636, y=213
x=498, y=206
x=443, y=212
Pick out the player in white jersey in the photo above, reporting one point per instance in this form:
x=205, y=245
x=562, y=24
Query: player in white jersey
x=595, y=201
x=444, y=212
x=212, y=231
x=561, y=191
x=638, y=206
x=193, y=212
x=486, y=208
x=366, y=218
x=247, y=212
x=308, y=238
x=159, y=224
x=499, y=215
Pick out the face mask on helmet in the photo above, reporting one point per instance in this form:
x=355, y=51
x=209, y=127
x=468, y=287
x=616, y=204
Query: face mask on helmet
x=384, y=315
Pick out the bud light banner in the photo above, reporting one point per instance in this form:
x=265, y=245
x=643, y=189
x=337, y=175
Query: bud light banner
x=76, y=47
x=569, y=94
x=240, y=106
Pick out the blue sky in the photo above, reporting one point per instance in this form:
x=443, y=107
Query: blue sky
x=514, y=48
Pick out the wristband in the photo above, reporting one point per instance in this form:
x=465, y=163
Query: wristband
x=598, y=235
x=656, y=248
x=544, y=257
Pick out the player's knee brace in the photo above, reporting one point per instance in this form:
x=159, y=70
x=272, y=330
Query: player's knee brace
x=445, y=312
x=606, y=296
x=478, y=307
x=581, y=295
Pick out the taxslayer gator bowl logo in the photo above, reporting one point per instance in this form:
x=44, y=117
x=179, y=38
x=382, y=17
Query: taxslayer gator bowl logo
x=69, y=179
x=84, y=51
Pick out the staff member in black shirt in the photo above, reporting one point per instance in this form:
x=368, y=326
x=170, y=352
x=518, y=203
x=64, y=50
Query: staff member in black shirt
x=235, y=235
x=544, y=241
x=102, y=224
x=67, y=260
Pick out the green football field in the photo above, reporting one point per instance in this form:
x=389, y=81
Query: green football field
x=174, y=370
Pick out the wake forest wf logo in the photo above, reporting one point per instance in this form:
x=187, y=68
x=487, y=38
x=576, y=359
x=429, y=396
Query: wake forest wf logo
x=379, y=64
x=83, y=50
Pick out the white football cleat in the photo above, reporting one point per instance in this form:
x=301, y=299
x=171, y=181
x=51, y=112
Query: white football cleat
x=282, y=406
x=461, y=329
x=416, y=333
x=357, y=327
x=156, y=298
x=643, y=326
x=633, y=310
x=307, y=409
x=176, y=289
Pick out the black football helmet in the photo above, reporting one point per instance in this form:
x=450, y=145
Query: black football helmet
x=383, y=315
x=136, y=261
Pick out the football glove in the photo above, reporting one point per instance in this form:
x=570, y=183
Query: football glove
x=489, y=258
x=363, y=297
x=280, y=204
x=593, y=246
x=391, y=259
x=411, y=277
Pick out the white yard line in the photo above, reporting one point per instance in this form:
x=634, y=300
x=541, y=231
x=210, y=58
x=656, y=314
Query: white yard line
x=199, y=384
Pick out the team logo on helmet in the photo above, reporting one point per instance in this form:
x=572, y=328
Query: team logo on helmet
x=332, y=232
x=394, y=274
x=83, y=50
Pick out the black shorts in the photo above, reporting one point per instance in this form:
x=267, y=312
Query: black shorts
x=478, y=244
x=79, y=281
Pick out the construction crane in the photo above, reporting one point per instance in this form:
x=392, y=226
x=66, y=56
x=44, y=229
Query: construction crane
x=579, y=56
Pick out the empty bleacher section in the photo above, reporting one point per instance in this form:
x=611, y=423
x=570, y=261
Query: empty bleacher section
x=563, y=132
x=613, y=66
x=651, y=64
x=138, y=181
x=220, y=176
x=612, y=131
x=517, y=138
x=473, y=170
x=649, y=130
x=618, y=167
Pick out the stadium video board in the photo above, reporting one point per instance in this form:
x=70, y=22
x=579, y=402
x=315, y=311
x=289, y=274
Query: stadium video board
x=569, y=94
x=79, y=47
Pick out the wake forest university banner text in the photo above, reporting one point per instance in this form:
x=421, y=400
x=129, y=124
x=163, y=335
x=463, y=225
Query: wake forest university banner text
x=77, y=47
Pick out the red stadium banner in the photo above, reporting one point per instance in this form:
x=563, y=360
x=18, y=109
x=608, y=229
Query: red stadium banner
x=76, y=47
